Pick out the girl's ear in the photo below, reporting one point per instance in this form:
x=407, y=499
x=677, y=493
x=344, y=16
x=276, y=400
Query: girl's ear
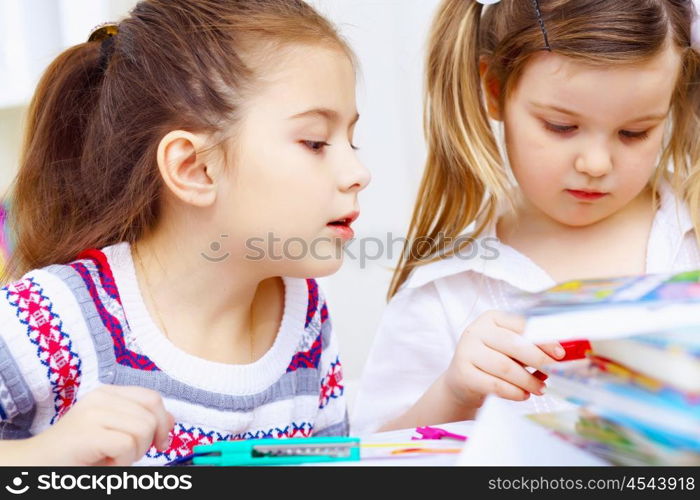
x=492, y=90
x=184, y=169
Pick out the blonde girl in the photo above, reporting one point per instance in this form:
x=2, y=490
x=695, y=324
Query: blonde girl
x=598, y=175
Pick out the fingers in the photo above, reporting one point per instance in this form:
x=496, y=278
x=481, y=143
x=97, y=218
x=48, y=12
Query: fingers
x=516, y=324
x=493, y=357
x=517, y=347
x=554, y=350
x=509, y=321
x=161, y=422
x=117, y=448
x=501, y=366
x=111, y=425
x=133, y=419
x=497, y=386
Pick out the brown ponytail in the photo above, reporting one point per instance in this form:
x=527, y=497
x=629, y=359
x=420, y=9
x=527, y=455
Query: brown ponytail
x=464, y=174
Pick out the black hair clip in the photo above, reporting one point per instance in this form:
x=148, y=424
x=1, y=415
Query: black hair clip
x=536, y=3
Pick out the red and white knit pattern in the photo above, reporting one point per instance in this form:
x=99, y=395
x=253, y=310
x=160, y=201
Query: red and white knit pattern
x=54, y=346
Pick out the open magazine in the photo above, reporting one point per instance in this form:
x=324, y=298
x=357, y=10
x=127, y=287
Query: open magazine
x=614, y=308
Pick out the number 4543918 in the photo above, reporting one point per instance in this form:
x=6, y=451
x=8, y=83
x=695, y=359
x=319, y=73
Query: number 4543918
x=661, y=483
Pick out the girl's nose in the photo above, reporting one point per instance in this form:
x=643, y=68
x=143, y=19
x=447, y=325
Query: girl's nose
x=356, y=176
x=595, y=162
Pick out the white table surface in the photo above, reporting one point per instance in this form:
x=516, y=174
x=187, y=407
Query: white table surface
x=500, y=435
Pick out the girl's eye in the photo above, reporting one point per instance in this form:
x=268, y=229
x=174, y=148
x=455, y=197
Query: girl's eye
x=640, y=136
x=559, y=129
x=315, y=146
x=564, y=129
x=354, y=147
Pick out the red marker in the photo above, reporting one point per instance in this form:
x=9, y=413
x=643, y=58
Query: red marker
x=575, y=349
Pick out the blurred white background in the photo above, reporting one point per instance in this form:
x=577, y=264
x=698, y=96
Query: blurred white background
x=389, y=37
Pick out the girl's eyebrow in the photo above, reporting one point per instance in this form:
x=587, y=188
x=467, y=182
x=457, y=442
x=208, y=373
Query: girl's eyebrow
x=330, y=115
x=554, y=107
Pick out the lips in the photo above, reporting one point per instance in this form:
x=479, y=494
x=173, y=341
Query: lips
x=342, y=227
x=346, y=220
x=586, y=195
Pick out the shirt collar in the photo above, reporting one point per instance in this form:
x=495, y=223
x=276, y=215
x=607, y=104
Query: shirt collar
x=672, y=224
x=673, y=211
x=487, y=256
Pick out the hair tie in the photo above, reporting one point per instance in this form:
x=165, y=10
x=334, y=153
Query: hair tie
x=104, y=33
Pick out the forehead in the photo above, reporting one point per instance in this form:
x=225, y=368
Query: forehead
x=616, y=92
x=303, y=76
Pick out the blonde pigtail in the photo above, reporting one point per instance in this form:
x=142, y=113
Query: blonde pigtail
x=686, y=147
x=464, y=174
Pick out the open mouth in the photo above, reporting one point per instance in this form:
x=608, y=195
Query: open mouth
x=342, y=226
x=346, y=220
x=341, y=222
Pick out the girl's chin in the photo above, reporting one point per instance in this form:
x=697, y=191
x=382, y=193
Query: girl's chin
x=578, y=221
x=314, y=267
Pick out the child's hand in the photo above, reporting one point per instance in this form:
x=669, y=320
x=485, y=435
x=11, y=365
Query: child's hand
x=112, y=425
x=491, y=357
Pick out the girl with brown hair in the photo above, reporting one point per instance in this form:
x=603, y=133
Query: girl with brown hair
x=185, y=174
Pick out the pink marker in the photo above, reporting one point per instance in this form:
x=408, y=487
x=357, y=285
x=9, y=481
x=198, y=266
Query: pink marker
x=436, y=433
